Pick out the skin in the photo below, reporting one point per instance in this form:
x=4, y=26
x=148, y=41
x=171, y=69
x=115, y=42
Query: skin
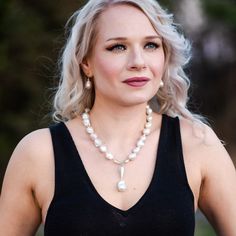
x=26, y=195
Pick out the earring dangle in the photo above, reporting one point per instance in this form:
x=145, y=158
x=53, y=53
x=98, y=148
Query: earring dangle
x=161, y=84
x=88, y=83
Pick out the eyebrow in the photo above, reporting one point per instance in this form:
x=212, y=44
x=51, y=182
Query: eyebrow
x=124, y=38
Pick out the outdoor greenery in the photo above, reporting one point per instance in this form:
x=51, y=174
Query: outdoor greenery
x=31, y=38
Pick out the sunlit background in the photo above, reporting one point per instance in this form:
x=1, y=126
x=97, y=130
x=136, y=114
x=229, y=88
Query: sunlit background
x=32, y=35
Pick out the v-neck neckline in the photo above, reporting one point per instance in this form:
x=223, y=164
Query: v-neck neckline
x=149, y=189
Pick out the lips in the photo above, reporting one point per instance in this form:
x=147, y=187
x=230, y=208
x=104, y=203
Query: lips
x=136, y=81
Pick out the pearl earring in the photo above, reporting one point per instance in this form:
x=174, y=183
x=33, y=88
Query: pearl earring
x=161, y=84
x=88, y=83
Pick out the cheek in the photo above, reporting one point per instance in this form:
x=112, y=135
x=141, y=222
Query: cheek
x=158, y=65
x=106, y=67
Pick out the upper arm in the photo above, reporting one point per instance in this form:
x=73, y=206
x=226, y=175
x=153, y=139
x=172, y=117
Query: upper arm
x=217, y=198
x=20, y=213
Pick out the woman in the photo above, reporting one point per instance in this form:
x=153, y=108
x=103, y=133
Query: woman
x=114, y=166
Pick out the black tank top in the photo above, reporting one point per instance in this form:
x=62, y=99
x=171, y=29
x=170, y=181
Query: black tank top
x=165, y=209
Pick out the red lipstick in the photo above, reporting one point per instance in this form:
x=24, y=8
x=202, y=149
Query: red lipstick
x=136, y=81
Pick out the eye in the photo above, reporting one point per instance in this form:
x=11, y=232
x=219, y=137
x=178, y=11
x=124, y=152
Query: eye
x=117, y=48
x=152, y=46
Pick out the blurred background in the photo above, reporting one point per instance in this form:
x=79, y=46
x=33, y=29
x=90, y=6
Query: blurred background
x=31, y=38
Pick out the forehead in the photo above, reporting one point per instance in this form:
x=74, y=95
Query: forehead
x=124, y=21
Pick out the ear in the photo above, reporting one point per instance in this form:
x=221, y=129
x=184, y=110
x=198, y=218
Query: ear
x=86, y=67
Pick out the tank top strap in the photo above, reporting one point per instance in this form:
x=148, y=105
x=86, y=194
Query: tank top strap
x=171, y=162
x=180, y=165
x=67, y=168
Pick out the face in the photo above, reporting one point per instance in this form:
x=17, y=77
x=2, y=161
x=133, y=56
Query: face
x=127, y=60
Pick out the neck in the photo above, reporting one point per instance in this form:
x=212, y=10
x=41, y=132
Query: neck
x=118, y=126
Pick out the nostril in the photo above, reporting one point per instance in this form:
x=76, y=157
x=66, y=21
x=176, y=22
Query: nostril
x=137, y=64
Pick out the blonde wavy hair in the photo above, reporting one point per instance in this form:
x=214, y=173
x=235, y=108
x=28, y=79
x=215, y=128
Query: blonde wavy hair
x=72, y=98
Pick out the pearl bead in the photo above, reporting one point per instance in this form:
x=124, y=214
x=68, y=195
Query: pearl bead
x=88, y=84
x=136, y=150
x=89, y=130
x=97, y=142
x=149, y=111
x=85, y=116
x=121, y=186
x=146, y=131
x=148, y=125
x=149, y=118
x=109, y=156
x=93, y=136
x=132, y=156
x=103, y=148
x=140, y=143
x=86, y=122
x=143, y=138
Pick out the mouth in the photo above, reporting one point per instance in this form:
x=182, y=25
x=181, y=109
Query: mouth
x=136, y=81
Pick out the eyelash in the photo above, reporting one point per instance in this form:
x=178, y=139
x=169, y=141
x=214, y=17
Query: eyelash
x=153, y=44
x=121, y=47
x=117, y=47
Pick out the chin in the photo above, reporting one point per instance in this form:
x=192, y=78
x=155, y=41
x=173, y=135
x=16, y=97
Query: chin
x=136, y=101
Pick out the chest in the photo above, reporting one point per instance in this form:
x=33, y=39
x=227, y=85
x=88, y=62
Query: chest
x=101, y=177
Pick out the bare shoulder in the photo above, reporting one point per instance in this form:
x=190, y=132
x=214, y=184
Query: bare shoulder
x=30, y=161
x=201, y=143
x=198, y=133
x=218, y=176
x=35, y=143
x=199, y=139
x=30, y=154
x=33, y=153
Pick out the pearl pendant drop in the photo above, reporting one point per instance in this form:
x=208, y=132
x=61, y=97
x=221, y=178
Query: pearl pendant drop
x=121, y=185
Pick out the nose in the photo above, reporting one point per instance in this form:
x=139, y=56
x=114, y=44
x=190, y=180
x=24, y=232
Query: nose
x=136, y=60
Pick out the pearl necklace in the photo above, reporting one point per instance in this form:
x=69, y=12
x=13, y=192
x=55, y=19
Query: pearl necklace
x=121, y=185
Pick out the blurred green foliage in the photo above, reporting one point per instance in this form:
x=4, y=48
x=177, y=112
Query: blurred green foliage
x=221, y=10
x=32, y=35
